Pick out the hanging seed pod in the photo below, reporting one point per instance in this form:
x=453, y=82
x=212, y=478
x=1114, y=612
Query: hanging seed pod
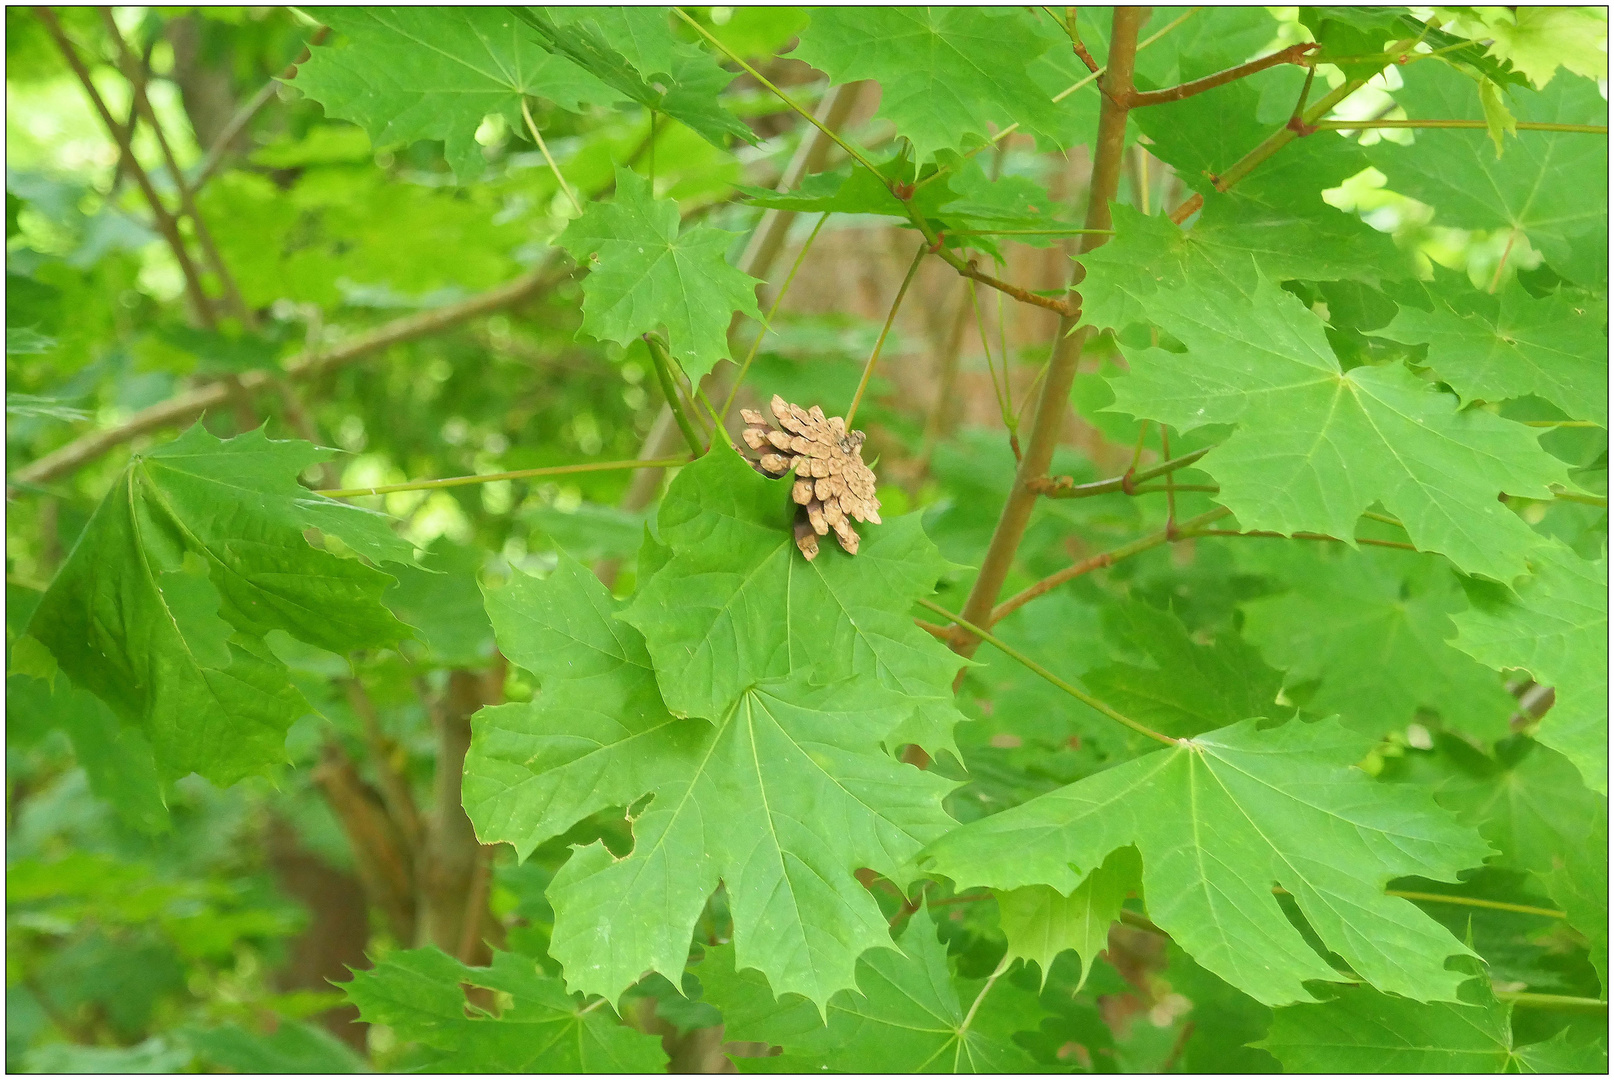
x=832, y=486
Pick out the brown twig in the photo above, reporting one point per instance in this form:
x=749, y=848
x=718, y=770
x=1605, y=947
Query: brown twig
x=395, y=793
x=306, y=365
x=1290, y=55
x=1101, y=561
x=1063, y=487
x=167, y=226
x=243, y=116
x=1054, y=400
x=383, y=860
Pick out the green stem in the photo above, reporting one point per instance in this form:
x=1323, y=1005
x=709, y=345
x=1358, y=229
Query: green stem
x=1477, y=125
x=488, y=478
x=891, y=317
x=851, y=150
x=1551, y=1001
x=773, y=309
x=1306, y=536
x=1473, y=901
x=1184, y=531
x=543, y=147
x=1014, y=654
x=1560, y=423
x=1030, y=232
x=669, y=387
x=1572, y=496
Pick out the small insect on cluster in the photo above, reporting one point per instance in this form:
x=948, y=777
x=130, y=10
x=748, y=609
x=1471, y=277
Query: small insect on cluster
x=832, y=483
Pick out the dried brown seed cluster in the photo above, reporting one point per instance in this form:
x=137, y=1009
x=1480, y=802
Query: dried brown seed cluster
x=832, y=483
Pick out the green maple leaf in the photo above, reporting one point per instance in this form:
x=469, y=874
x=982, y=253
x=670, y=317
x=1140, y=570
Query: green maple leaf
x=420, y=994
x=949, y=76
x=633, y=50
x=1555, y=626
x=1041, y=923
x=1363, y=1031
x=908, y=1014
x=1316, y=446
x=1539, y=186
x=1490, y=348
x=1190, y=688
x=644, y=275
x=195, y=554
x=1531, y=805
x=434, y=73
x=1150, y=255
x=781, y=798
x=737, y=604
x=1372, y=626
x=1222, y=818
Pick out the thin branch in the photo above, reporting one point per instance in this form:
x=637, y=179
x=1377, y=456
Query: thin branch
x=187, y=201
x=1054, y=400
x=1477, y=125
x=476, y=905
x=243, y=116
x=1063, y=487
x=891, y=317
x=519, y=474
x=1290, y=55
x=306, y=365
x=773, y=309
x=1285, y=135
x=395, y=793
x=166, y=225
x=1014, y=654
x=526, y=114
x=1103, y=560
x=669, y=386
x=851, y=151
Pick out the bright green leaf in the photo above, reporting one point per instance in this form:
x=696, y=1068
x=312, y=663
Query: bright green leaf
x=949, y=76
x=1490, y=348
x=782, y=798
x=1040, y=923
x=197, y=552
x=1219, y=820
x=1364, y=1031
x=412, y=73
x=1373, y=625
x=420, y=995
x=645, y=276
x=909, y=1014
x=1555, y=626
x=738, y=604
x=1316, y=446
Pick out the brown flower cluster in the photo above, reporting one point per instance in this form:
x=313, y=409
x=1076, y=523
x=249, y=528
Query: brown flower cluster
x=832, y=483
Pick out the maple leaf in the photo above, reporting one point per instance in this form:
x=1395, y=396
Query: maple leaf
x=1490, y=348
x=1363, y=1031
x=644, y=275
x=1219, y=820
x=1040, y=923
x=412, y=73
x=1372, y=626
x=420, y=994
x=1316, y=445
x=633, y=50
x=948, y=75
x=1555, y=626
x=1539, y=184
x=195, y=554
x=737, y=604
x=909, y=1014
x=1529, y=801
x=781, y=796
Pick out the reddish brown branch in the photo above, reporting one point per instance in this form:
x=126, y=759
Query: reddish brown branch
x=1291, y=55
